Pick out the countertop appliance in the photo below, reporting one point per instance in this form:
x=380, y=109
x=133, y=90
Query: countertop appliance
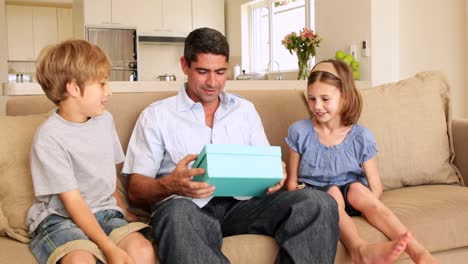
x=166, y=77
x=120, y=44
x=251, y=76
x=20, y=77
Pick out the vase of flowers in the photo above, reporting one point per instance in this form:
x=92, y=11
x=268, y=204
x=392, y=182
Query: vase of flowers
x=304, y=45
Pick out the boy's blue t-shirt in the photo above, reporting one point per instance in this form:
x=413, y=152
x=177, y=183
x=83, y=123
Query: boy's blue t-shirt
x=323, y=165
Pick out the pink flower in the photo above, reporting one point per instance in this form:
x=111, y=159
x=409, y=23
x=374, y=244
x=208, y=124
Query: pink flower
x=303, y=44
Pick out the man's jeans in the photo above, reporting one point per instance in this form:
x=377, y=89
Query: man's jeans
x=303, y=222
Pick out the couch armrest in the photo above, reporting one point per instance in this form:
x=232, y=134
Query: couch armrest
x=460, y=142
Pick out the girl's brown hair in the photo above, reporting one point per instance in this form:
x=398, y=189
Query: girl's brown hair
x=71, y=60
x=352, y=101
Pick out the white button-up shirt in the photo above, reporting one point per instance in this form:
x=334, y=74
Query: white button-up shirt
x=170, y=129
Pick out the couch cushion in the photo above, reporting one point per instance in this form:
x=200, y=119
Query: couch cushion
x=14, y=252
x=247, y=248
x=435, y=214
x=278, y=109
x=124, y=107
x=411, y=121
x=16, y=191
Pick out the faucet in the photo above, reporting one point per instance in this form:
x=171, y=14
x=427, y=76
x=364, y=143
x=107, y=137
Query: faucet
x=278, y=76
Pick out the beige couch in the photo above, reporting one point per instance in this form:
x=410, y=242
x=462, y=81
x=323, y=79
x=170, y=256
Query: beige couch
x=417, y=142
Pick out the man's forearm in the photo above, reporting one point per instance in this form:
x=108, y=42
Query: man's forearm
x=144, y=190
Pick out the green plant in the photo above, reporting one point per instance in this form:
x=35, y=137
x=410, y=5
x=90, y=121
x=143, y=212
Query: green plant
x=283, y=2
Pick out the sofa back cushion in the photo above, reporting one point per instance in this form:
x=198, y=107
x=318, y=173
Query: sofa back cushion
x=16, y=191
x=411, y=121
x=278, y=110
x=125, y=108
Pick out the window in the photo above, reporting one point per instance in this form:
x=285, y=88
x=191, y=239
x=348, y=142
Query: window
x=268, y=22
x=260, y=44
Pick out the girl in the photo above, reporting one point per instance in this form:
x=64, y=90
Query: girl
x=331, y=152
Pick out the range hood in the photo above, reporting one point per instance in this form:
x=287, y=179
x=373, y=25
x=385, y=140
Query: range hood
x=161, y=39
x=164, y=36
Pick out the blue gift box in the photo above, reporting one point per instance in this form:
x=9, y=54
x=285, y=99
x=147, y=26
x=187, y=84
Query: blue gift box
x=240, y=170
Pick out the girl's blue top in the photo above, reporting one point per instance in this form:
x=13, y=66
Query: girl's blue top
x=323, y=165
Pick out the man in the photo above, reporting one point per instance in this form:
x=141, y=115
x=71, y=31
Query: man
x=304, y=222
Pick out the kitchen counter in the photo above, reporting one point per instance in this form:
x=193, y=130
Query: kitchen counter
x=142, y=86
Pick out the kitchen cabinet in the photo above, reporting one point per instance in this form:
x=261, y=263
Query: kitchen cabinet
x=149, y=14
x=44, y=28
x=102, y=13
x=164, y=17
x=124, y=12
x=106, y=12
x=177, y=16
x=29, y=30
x=171, y=18
x=96, y=11
x=64, y=23
x=208, y=13
x=19, y=20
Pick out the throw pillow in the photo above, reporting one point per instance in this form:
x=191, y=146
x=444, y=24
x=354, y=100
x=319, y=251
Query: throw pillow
x=16, y=190
x=411, y=121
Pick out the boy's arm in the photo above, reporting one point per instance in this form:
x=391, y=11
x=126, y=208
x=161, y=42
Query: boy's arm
x=129, y=216
x=373, y=176
x=294, y=160
x=86, y=221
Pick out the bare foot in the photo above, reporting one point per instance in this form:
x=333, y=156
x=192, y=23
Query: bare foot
x=382, y=253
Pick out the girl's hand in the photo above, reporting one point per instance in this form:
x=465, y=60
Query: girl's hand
x=276, y=187
x=281, y=183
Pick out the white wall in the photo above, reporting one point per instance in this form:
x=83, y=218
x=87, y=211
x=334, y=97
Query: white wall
x=159, y=59
x=404, y=37
x=233, y=31
x=433, y=37
x=384, y=45
x=3, y=45
x=341, y=24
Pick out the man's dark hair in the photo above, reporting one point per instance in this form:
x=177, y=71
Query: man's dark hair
x=205, y=40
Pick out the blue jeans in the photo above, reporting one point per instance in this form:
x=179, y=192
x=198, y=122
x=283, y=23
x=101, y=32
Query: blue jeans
x=303, y=222
x=54, y=231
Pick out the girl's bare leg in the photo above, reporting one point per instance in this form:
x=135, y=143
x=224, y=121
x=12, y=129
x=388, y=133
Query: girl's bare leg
x=378, y=215
x=360, y=250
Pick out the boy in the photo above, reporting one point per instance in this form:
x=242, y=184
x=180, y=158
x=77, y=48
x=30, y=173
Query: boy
x=78, y=214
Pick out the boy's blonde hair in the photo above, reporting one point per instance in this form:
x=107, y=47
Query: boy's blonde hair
x=352, y=100
x=71, y=60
